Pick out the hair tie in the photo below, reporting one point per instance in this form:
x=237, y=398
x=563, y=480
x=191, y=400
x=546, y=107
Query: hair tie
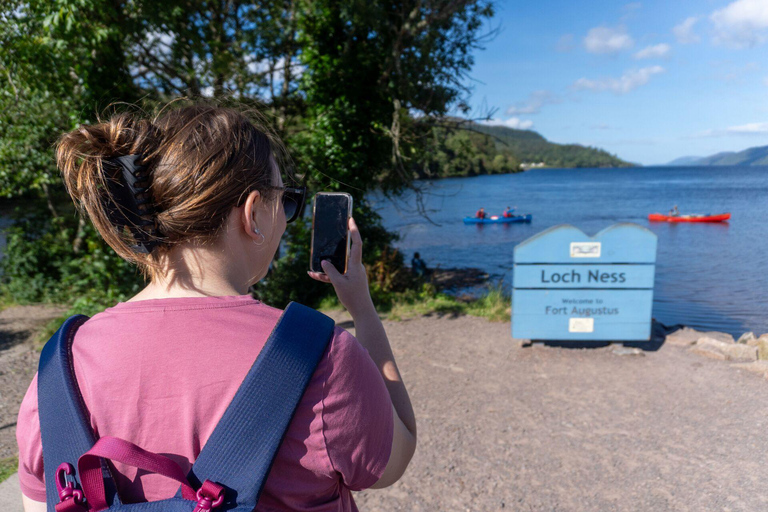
x=130, y=203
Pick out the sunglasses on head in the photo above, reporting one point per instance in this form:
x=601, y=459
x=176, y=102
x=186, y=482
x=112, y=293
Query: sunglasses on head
x=293, y=202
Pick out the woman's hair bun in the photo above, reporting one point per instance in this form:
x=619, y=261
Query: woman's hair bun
x=197, y=162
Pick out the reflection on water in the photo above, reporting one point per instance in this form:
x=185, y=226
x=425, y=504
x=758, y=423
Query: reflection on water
x=709, y=276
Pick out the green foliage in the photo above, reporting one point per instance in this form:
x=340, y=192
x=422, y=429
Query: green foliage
x=529, y=146
x=427, y=300
x=339, y=80
x=8, y=466
x=461, y=152
x=39, y=264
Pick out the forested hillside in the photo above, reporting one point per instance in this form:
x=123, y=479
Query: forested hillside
x=472, y=149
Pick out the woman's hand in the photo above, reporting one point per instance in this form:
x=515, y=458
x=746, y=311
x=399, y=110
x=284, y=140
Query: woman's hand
x=352, y=287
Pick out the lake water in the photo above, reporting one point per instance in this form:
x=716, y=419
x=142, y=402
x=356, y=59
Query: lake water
x=708, y=276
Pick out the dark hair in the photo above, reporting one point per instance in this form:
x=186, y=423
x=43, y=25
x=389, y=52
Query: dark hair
x=201, y=161
x=415, y=255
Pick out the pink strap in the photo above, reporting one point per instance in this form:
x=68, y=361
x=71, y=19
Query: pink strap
x=113, y=448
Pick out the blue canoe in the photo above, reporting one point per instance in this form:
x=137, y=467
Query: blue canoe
x=494, y=219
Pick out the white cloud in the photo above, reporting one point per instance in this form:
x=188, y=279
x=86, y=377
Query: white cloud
x=207, y=91
x=512, y=122
x=744, y=129
x=533, y=104
x=608, y=40
x=748, y=129
x=741, y=23
x=654, y=52
x=627, y=82
x=684, y=31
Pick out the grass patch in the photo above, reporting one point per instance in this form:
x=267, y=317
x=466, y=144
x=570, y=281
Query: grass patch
x=8, y=466
x=495, y=305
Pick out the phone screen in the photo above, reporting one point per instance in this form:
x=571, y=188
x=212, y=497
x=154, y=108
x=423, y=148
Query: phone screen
x=330, y=231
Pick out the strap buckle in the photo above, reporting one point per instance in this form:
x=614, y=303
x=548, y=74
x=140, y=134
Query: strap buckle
x=209, y=496
x=70, y=498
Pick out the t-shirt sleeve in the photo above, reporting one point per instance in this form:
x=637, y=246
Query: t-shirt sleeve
x=357, y=414
x=31, y=473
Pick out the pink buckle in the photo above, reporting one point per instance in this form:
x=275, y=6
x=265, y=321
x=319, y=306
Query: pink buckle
x=209, y=496
x=70, y=499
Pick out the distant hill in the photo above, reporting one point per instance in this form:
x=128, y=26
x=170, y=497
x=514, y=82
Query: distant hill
x=530, y=146
x=481, y=149
x=751, y=156
x=685, y=160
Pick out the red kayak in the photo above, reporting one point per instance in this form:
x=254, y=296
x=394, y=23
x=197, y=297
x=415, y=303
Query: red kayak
x=658, y=217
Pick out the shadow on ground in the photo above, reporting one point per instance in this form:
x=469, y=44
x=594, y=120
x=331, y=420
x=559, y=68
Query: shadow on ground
x=659, y=333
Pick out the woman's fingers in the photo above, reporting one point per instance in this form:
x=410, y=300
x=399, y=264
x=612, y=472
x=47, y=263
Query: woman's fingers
x=356, y=255
x=317, y=276
x=330, y=270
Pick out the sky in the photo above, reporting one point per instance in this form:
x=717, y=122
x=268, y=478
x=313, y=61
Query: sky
x=649, y=81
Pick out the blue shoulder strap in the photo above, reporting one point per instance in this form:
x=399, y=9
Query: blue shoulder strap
x=64, y=423
x=240, y=452
x=242, y=447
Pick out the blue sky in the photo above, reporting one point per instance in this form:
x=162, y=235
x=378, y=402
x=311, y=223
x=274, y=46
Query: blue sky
x=649, y=81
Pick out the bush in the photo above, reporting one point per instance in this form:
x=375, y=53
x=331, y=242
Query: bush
x=39, y=264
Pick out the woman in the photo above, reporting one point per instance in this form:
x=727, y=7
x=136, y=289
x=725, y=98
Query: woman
x=210, y=223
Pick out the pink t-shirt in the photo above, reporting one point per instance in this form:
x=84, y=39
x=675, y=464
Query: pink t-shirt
x=161, y=372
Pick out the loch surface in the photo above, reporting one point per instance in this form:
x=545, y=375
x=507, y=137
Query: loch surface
x=708, y=276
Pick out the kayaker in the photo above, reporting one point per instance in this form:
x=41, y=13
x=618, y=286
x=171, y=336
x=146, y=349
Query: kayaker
x=674, y=212
x=507, y=213
x=480, y=213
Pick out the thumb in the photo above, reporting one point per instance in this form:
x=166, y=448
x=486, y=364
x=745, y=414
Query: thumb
x=330, y=270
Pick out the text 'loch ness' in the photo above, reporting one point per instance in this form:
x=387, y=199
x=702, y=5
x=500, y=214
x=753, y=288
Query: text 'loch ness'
x=569, y=286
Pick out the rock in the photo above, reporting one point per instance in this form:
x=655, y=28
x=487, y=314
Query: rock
x=746, y=338
x=760, y=367
x=719, y=336
x=707, y=352
x=683, y=337
x=762, y=348
x=730, y=351
x=687, y=336
x=627, y=351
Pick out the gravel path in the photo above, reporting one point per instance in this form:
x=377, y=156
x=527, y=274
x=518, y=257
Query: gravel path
x=18, y=363
x=551, y=429
x=558, y=429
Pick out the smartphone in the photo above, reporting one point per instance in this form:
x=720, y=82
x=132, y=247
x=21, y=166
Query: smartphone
x=330, y=230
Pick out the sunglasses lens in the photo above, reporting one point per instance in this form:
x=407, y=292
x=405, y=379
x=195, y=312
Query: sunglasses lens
x=293, y=202
x=290, y=207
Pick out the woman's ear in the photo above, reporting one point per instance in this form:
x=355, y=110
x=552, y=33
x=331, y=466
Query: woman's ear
x=248, y=215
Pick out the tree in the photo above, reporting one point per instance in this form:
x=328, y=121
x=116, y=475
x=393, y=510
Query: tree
x=354, y=87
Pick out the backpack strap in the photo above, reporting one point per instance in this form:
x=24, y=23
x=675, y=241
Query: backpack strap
x=240, y=452
x=65, y=426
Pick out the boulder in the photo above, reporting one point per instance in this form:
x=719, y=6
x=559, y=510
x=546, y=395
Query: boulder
x=747, y=338
x=759, y=367
x=707, y=352
x=762, y=348
x=683, y=337
x=719, y=336
x=687, y=336
x=729, y=351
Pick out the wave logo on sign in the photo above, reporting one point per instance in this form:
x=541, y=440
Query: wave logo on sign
x=585, y=249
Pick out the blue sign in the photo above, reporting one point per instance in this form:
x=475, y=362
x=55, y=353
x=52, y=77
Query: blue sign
x=569, y=286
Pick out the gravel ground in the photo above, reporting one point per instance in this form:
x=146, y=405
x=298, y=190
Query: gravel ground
x=540, y=428
x=18, y=363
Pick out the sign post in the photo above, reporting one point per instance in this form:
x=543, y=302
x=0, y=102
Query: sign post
x=569, y=286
